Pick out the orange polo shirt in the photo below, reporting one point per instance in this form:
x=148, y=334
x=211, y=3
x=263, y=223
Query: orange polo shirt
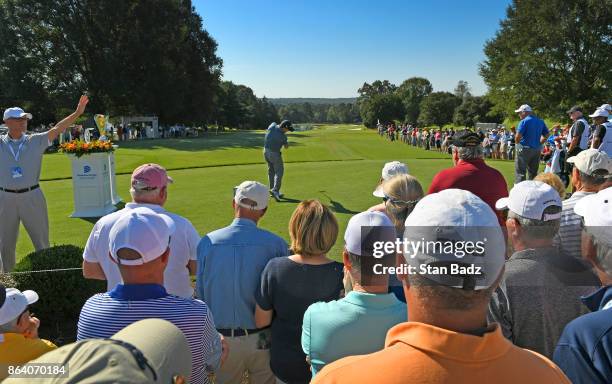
x=421, y=353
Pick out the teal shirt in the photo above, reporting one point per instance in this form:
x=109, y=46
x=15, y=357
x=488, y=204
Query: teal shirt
x=354, y=325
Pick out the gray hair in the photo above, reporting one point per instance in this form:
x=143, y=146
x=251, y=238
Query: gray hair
x=596, y=179
x=10, y=327
x=603, y=254
x=539, y=229
x=144, y=194
x=469, y=153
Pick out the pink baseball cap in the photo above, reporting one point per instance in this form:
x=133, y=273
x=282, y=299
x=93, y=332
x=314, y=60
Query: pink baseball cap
x=150, y=176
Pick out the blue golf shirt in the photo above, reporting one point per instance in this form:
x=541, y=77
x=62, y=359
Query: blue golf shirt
x=275, y=138
x=230, y=262
x=532, y=128
x=584, y=351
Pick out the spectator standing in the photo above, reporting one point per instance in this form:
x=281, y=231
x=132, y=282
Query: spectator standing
x=446, y=338
x=530, y=135
x=139, y=243
x=540, y=291
x=230, y=262
x=289, y=285
x=149, y=189
x=602, y=132
x=583, y=352
x=19, y=341
x=390, y=169
x=329, y=329
x=471, y=172
x=589, y=174
x=578, y=138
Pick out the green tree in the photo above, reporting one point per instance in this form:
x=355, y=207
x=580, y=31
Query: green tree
x=462, y=90
x=411, y=92
x=133, y=56
x=383, y=107
x=475, y=109
x=437, y=108
x=552, y=54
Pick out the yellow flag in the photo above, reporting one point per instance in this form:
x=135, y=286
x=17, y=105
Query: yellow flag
x=101, y=124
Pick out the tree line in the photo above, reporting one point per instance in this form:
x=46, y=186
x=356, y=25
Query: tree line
x=551, y=54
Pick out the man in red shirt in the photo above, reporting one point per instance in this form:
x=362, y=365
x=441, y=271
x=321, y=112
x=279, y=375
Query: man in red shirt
x=471, y=173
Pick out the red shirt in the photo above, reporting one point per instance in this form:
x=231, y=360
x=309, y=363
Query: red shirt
x=474, y=176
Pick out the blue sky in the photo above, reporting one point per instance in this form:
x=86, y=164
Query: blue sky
x=318, y=48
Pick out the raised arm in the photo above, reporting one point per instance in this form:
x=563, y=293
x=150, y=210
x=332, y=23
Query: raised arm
x=60, y=127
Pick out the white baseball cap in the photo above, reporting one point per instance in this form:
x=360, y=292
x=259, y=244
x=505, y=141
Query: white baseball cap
x=375, y=226
x=142, y=230
x=596, y=209
x=591, y=160
x=252, y=190
x=600, y=112
x=392, y=168
x=524, y=108
x=16, y=113
x=607, y=107
x=455, y=217
x=530, y=198
x=15, y=303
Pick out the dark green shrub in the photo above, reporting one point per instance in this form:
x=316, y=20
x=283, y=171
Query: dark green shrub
x=62, y=294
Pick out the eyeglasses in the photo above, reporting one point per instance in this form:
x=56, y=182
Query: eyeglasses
x=395, y=201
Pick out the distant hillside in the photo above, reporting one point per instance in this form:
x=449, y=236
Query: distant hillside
x=312, y=100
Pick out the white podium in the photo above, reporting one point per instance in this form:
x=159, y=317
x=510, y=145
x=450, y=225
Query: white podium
x=91, y=183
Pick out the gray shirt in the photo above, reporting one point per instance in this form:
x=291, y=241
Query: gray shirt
x=275, y=138
x=21, y=160
x=540, y=294
x=569, y=238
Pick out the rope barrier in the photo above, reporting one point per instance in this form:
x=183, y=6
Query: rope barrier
x=44, y=270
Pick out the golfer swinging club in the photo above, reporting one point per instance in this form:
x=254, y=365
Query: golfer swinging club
x=276, y=139
x=21, y=199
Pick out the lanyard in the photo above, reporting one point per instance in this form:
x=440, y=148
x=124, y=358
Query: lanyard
x=16, y=154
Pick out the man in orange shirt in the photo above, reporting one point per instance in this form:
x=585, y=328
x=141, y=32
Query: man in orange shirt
x=453, y=255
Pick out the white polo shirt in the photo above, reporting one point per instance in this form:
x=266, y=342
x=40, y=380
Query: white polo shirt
x=183, y=248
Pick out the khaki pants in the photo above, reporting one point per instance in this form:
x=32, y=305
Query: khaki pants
x=244, y=356
x=30, y=208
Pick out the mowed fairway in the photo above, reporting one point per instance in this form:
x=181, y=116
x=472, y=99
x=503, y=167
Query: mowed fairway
x=339, y=165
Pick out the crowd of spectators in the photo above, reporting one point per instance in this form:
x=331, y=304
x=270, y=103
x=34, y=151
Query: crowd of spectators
x=270, y=312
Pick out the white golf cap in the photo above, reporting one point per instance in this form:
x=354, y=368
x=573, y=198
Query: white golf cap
x=254, y=191
x=364, y=229
x=392, y=168
x=457, y=218
x=530, y=198
x=15, y=303
x=16, y=113
x=524, y=108
x=591, y=160
x=142, y=230
x=596, y=209
x=600, y=112
x=607, y=107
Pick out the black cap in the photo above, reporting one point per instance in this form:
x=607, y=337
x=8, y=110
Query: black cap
x=575, y=108
x=287, y=124
x=467, y=139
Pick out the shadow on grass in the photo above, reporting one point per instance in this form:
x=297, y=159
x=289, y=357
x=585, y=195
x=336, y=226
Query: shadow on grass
x=337, y=206
x=210, y=140
x=94, y=220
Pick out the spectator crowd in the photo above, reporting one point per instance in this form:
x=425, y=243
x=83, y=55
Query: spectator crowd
x=533, y=306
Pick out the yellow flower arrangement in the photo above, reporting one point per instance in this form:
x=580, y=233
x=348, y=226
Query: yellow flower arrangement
x=80, y=148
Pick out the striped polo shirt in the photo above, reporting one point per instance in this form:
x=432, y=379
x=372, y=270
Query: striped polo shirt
x=569, y=238
x=105, y=314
